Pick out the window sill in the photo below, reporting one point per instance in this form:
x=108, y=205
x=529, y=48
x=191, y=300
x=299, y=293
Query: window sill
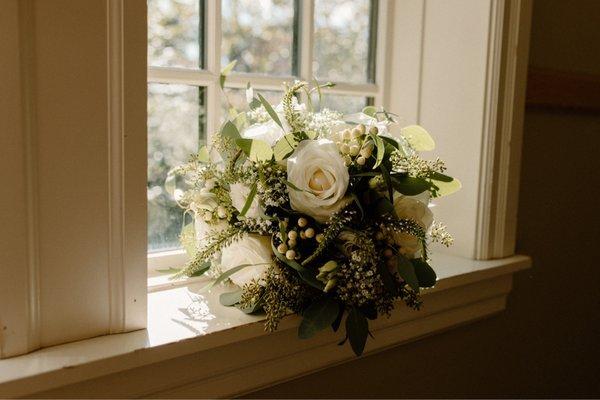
x=187, y=330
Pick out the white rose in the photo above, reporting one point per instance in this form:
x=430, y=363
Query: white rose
x=318, y=170
x=408, y=207
x=251, y=249
x=239, y=194
x=268, y=132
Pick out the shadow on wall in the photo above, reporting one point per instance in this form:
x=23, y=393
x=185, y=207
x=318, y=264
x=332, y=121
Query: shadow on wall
x=545, y=344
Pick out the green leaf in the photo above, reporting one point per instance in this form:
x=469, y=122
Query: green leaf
x=384, y=206
x=231, y=298
x=407, y=272
x=410, y=186
x=360, y=207
x=425, y=274
x=229, y=130
x=270, y=110
x=391, y=141
x=249, y=199
x=203, y=155
x=318, y=316
x=169, y=270
x=253, y=308
x=418, y=138
x=256, y=150
x=380, y=149
x=447, y=188
x=335, y=325
x=225, y=71
x=371, y=111
x=285, y=147
x=436, y=176
x=357, y=329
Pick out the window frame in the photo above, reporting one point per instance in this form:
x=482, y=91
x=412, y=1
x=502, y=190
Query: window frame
x=208, y=77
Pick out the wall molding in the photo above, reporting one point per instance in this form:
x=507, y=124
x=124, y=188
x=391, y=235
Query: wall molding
x=29, y=122
x=116, y=164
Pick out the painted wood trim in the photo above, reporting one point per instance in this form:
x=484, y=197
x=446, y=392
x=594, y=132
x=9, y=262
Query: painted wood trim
x=568, y=90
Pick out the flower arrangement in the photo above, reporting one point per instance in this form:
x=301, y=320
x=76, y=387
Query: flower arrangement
x=317, y=213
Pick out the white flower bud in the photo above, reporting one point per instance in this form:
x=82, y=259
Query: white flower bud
x=292, y=243
x=221, y=212
x=373, y=130
x=345, y=149
x=282, y=248
x=330, y=285
x=310, y=233
x=302, y=222
x=320, y=237
x=293, y=235
x=354, y=150
x=290, y=254
x=347, y=160
x=347, y=135
x=356, y=133
x=361, y=128
x=361, y=160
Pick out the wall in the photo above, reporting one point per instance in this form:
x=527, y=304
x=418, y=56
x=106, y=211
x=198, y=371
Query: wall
x=545, y=344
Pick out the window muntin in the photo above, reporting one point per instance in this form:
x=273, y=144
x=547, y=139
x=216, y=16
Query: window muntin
x=348, y=96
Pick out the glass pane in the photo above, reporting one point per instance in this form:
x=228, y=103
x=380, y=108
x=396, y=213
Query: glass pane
x=176, y=128
x=342, y=50
x=174, y=35
x=342, y=103
x=259, y=34
x=236, y=98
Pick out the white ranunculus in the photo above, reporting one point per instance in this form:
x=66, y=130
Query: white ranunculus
x=318, y=170
x=239, y=194
x=268, y=132
x=411, y=207
x=251, y=249
x=204, y=201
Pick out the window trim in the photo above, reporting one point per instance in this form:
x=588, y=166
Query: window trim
x=209, y=76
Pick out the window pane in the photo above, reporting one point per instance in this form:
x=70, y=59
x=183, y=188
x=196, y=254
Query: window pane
x=342, y=103
x=176, y=128
x=259, y=34
x=236, y=98
x=342, y=50
x=174, y=35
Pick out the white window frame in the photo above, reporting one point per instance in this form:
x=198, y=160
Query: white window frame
x=209, y=79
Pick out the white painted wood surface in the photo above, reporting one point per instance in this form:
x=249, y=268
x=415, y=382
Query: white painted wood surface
x=73, y=221
x=196, y=347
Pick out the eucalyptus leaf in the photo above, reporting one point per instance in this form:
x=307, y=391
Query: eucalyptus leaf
x=285, y=147
x=425, y=274
x=447, y=188
x=270, y=110
x=231, y=298
x=357, y=329
x=406, y=270
x=256, y=150
x=318, y=316
x=229, y=130
x=418, y=138
x=203, y=155
x=437, y=176
x=335, y=325
x=371, y=111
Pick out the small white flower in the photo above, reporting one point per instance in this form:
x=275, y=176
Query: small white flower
x=239, y=195
x=252, y=249
x=204, y=201
x=318, y=170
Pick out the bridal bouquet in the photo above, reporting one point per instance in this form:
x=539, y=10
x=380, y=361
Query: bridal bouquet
x=317, y=213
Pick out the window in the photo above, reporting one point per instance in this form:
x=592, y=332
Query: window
x=272, y=41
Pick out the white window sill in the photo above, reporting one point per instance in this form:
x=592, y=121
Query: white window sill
x=194, y=346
